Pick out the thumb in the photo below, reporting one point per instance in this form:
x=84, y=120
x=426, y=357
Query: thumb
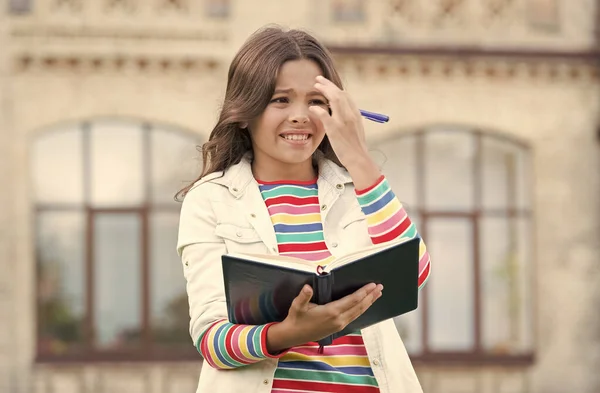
x=301, y=301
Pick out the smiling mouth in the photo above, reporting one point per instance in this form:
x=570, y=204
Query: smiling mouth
x=296, y=137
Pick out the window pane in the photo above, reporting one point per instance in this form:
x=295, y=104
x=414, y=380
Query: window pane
x=450, y=296
x=449, y=164
x=117, y=164
x=117, y=279
x=175, y=163
x=57, y=163
x=410, y=325
x=504, y=174
x=523, y=179
x=60, y=280
x=505, y=277
x=169, y=303
x=526, y=278
x=399, y=159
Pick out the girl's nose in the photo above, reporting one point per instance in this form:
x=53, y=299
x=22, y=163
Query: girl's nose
x=299, y=119
x=299, y=115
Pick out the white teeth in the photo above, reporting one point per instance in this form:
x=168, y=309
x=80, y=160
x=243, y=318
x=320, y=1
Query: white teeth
x=296, y=137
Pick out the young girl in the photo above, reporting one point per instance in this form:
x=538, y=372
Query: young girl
x=286, y=171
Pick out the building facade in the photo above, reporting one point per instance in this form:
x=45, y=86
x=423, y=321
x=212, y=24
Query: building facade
x=493, y=146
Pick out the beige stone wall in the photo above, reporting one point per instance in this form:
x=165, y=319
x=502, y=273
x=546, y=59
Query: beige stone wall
x=471, y=22
x=128, y=378
x=6, y=199
x=513, y=24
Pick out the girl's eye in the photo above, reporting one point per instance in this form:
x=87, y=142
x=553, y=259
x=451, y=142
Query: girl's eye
x=279, y=100
x=318, y=102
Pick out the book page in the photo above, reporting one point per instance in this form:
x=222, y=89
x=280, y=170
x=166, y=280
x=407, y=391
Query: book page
x=308, y=266
x=279, y=260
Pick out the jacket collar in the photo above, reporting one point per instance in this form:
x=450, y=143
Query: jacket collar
x=237, y=177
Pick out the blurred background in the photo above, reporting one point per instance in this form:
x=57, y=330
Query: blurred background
x=493, y=145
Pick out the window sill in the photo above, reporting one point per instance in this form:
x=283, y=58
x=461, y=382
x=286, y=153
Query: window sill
x=473, y=360
x=129, y=356
x=191, y=355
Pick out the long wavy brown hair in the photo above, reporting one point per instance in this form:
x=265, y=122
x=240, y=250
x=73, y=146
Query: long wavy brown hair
x=250, y=85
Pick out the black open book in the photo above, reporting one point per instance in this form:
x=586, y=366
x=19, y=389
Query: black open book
x=260, y=288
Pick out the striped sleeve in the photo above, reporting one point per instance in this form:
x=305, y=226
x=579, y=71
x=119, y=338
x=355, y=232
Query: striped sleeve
x=387, y=220
x=225, y=345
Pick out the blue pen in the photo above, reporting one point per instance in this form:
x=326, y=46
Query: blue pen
x=376, y=117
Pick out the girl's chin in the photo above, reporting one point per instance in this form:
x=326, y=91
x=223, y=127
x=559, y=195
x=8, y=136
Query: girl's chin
x=295, y=155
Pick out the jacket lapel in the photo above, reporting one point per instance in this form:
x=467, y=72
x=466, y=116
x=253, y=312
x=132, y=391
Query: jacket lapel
x=252, y=204
x=249, y=202
x=331, y=183
x=241, y=184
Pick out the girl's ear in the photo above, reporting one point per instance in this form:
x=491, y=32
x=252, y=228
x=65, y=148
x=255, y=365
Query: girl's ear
x=243, y=125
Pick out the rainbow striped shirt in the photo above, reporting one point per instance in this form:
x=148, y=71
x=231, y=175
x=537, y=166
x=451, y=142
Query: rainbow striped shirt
x=344, y=365
x=296, y=217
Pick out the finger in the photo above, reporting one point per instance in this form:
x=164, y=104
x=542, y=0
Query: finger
x=321, y=79
x=303, y=299
x=333, y=87
x=344, y=304
x=322, y=115
x=334, y=96
x=371, y=293
x=356, y=311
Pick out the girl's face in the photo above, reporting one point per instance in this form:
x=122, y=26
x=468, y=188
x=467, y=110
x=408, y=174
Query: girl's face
x=286, y=134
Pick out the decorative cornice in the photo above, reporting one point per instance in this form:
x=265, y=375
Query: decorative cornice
x=448, y=67
x=155, y=33
x=372, y=66
x=26, y=63
x=591, y=55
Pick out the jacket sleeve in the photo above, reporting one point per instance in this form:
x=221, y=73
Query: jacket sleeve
x=222, y=344
x=387, y=220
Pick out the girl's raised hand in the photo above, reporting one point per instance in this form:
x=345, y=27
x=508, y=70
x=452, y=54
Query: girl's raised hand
x=344, y=126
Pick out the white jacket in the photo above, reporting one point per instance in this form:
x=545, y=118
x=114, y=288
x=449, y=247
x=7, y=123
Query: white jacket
x=225, y=212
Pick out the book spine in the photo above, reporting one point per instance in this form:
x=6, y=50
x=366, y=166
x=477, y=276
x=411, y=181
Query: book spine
x=324, y=286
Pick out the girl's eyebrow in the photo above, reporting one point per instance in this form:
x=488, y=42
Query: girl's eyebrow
x=291, y=90
x=283, y=91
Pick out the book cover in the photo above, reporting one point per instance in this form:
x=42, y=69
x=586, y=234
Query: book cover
x=260, y=289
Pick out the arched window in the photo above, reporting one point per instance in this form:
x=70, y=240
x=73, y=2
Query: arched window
x=109, y=281
x=469, y=193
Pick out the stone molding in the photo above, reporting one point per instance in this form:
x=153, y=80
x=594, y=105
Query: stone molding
x=449, y=67
x=384, y=67
x=27, y=63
